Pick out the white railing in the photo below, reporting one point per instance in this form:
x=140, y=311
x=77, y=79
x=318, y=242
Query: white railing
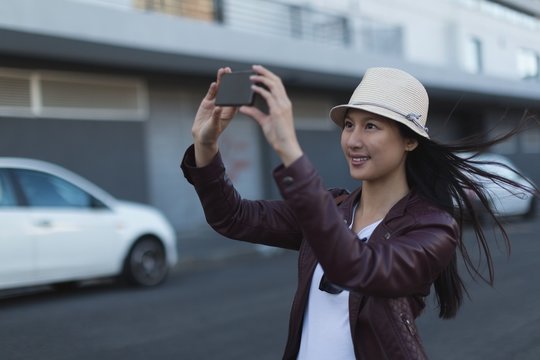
x=276, y=18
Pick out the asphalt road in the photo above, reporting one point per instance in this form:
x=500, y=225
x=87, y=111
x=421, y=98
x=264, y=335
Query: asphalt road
x=238, y=309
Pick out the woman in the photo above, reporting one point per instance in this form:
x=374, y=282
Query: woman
x=367, y=259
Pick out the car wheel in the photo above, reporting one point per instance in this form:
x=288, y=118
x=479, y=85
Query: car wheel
x=146, y=263
x=532, y=209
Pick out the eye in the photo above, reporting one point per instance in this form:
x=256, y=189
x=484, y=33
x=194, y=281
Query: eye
x=370, y=125
x=347, y=124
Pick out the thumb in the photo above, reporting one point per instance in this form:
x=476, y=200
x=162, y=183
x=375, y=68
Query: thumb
x=216, y=115
x=212, y=90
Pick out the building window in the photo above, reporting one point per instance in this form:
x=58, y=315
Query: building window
x=67, y=95
x=195, y=9
x=528, y=64
x=500, y=10
x=473, y=55
x=15, y=93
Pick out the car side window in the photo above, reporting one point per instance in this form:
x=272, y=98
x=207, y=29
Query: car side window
x=42, y=189
x=7, y=195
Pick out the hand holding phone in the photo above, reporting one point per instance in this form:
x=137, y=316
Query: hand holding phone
x=235, y=90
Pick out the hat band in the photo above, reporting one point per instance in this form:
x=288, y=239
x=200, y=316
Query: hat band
x=412, y=117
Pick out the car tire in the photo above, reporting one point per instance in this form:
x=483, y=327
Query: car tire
x=146, y=263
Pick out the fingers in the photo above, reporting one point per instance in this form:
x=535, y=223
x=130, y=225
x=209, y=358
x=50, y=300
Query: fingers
x=221, y=116
x=267, y=78
x=269, y=86
x=212, y=91
x=254, y=113
x=259, y=69
x=214, y=86
x=221, y=72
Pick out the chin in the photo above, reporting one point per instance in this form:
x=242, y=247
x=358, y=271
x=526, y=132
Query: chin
x=356, y=176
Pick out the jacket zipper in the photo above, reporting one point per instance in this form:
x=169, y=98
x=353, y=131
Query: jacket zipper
x=408, y=324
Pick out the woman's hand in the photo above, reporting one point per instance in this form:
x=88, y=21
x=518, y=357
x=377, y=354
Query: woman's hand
x=210, y=122
x=278, y=124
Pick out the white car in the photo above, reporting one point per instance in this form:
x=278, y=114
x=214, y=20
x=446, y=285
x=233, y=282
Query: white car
x=506, y=201
x=58, y=228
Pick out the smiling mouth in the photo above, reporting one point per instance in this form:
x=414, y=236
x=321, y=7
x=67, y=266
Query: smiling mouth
x=359, y=159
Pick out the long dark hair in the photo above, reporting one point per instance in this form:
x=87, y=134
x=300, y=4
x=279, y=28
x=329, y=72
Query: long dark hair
x=439, y=172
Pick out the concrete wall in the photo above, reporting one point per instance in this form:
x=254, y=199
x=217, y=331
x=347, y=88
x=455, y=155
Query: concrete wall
x=436, y=34
x=109, y=153
x=172, y=109
x=173, y=105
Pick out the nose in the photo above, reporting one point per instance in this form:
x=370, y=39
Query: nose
x=354, y=139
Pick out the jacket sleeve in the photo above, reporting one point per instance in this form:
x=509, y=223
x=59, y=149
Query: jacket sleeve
x=263, y=222
x=396, y=264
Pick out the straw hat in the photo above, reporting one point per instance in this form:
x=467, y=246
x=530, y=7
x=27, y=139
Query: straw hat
x=391, y=93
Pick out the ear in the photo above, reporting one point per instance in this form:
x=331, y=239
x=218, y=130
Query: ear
x=410, y=144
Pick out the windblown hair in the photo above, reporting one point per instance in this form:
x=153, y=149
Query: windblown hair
x=437, y=172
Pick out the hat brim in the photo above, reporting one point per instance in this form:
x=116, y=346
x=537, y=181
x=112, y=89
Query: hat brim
x=337, y=114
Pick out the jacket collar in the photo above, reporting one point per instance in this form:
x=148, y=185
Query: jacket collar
x=397, y=210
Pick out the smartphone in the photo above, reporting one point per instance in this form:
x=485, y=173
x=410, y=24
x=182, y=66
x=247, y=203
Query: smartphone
x=235, y=90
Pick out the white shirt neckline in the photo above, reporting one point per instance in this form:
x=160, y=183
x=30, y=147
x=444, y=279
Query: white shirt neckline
x=326, y=331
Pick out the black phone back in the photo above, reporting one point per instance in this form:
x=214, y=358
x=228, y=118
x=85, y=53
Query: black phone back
x=235, y=89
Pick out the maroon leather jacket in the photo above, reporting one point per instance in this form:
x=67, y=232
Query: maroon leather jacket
x=388, y=277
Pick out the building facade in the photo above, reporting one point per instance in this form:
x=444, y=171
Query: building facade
x=109, y=88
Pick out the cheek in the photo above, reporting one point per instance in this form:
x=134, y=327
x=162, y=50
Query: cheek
x=395, y=154
x=389, y=149
x=344, y=138
x=395, y=142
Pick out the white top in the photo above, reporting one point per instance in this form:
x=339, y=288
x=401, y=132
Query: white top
x=326, y=332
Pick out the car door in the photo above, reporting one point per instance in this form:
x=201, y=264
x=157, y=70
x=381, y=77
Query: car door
x=75, y=235
x=16, y=245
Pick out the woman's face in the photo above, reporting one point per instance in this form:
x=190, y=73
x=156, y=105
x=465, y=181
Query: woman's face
x=373, y=146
